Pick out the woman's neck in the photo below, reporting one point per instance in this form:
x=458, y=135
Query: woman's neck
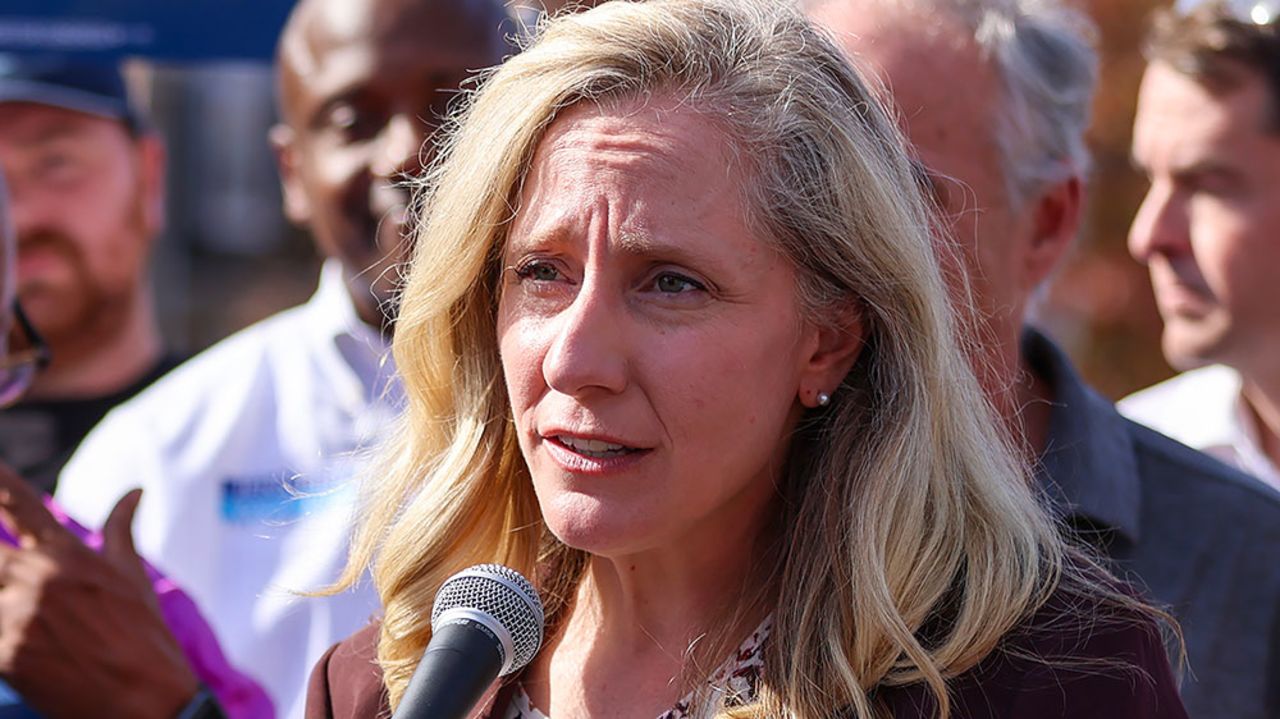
x=636, y=605
x=643, y=628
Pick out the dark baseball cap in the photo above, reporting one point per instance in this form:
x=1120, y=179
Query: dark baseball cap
x=94, y=88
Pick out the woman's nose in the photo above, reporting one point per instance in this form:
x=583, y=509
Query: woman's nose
x=588, y=351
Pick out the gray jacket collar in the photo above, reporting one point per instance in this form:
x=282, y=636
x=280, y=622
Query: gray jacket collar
x=1089, y=468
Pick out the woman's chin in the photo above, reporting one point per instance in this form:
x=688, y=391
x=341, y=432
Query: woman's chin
x=595, y=529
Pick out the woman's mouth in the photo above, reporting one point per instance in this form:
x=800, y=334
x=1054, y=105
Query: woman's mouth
x=593, y=448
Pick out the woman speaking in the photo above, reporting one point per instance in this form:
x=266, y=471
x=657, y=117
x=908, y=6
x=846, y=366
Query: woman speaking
x=677, y=347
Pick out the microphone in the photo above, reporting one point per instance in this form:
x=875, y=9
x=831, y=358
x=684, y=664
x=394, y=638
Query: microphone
x=486, y=623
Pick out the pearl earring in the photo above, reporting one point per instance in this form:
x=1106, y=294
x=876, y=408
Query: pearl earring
x=824, y=399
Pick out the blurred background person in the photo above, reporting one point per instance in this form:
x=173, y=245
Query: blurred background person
x=246, y=450
x=688, y=243
x=85, y=632
x=1207, y=135
x=1003, y=142
x=86, y=179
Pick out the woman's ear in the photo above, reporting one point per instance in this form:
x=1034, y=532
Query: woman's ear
x=836, y=347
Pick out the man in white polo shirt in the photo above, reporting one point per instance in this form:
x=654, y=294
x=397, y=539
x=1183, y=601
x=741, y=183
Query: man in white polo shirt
x=1207, y=134
x=246, y=452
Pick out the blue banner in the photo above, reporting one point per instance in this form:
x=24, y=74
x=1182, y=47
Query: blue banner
x=163, y=30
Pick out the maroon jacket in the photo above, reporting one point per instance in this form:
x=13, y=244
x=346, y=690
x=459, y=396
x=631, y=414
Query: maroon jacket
x=1112, y=669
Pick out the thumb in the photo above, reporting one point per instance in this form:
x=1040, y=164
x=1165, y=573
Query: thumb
x=117, y=537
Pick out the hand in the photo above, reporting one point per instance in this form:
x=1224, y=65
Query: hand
x=81, y=633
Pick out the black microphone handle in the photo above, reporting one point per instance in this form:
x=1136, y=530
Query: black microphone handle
x=459, y=664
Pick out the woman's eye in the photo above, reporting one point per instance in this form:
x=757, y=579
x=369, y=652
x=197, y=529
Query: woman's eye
x=670, y=283
x=538, y=272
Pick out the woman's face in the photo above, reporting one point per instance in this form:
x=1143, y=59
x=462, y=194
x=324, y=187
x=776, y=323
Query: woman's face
x=652, y=345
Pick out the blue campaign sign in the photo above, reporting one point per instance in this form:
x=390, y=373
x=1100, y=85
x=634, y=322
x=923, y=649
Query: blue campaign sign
x=165, y=30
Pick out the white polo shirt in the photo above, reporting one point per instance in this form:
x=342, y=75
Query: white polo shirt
x=245, y=454
x=1205, y=409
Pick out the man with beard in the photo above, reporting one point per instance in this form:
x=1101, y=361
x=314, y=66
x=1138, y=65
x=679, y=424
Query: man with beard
x=994, y=95
x=81, y=609
x=87, y=184
x=247, y=451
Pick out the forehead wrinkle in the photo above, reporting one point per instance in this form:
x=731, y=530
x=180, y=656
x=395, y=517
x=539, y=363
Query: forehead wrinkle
x=590, y=147
x=636, y=132
x=579, y=152
x=620, y=151
x=592, y=162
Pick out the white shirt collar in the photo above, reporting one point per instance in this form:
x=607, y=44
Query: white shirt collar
x=1205, y=408
x=356, y=357
x=1246, y=440
x=1226, y=425
x=332, y=311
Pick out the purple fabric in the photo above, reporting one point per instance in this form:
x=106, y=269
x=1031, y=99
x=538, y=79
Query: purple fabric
x=1075, y=659
x=240, y=696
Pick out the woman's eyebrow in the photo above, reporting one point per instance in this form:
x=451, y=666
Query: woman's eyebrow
x=537, y=237
x=629, y=243
x=644, y=245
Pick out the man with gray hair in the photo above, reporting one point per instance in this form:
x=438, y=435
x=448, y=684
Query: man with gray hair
x=995, y=96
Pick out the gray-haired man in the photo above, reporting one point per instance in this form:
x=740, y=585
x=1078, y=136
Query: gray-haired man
x=995, y=96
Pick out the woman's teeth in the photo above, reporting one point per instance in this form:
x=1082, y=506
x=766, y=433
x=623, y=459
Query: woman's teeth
x=593, y=447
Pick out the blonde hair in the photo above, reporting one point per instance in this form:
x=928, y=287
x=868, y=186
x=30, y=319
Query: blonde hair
x=911, y=539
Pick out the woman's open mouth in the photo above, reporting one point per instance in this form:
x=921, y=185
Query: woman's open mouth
x=593, y=448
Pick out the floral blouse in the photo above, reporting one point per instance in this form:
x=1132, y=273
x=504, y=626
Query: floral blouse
x=736, y=677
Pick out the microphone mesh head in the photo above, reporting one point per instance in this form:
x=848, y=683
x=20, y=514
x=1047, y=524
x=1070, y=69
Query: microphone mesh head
x=503, y=594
